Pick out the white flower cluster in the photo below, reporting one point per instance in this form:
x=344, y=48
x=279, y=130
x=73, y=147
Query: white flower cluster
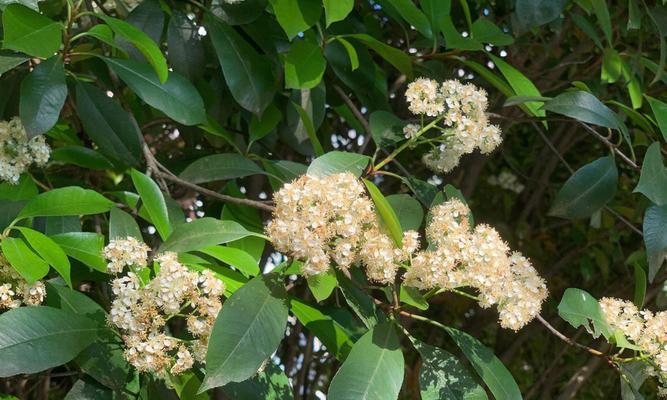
x=331, y=219
x=16, y=291
x=479, y=259
x=17, y=152
x=462, y=108
x=141, y=309
x=508, y=181
x=644, y=329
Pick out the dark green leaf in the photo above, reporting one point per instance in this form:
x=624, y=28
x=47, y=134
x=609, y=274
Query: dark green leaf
x=374, y=368
x=655, y=238
x=240, y=12
x=247, y=331
x=408, y=211
x=584, y=107
x=304, y=65
x=25, y=189
x=186, y=49
x=579, y=308
x=602, y=14
x=30, y=32
x=33, y=339
x=307, y=123
x=653, y=178
x=43, y=94
x=70, y=200
x=219, y=167
x=360, y=302
x=660, y=112
x=81, y=156
x=24, y=260
x=84, y=390
x=411, y=296
x=413, y=15
x=394, y=56
x=435, y=11
x=486, y=31
x=532, y=13
x=336, y=162
x=9, y=60
x=153, y=201
x=204, y=232
x=590, y=188
x=123, y=225
x=260, y=127
x=386, y=128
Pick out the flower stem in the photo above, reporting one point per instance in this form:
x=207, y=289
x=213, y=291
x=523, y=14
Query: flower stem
x=407, y=143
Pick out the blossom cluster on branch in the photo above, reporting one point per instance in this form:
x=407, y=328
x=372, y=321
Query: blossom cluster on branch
x=18, y=152
x=15, y=291
x=141, y=308
x=461, y=110
x=643, y=328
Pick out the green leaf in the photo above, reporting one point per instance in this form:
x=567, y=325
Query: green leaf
x=360, y=302
x=589, y=189
x=186, y=48
x=488, y=366
x=25, y=189
x=583, y=106
x=269, y=384
x=204, y=232
x=602, y=14
x=655, y=238
x=374, y=368
x=153, y=201
x=260, y=127
x=123, y=225
x=296, y=16
x=486, y=31
x=247, y=331
x=579, y=308
x=634, y=17
x=142, y=42
x=43, y=93
x=81, y=156
x=325, y=327
x=660, y=112
x=9, y=60
x=248, y=74
x=435, y=11
x=49, y=251
x=177, y=97
x=532, y=13
x=322, y=285
x=237, y=258
x=386, y=213
x=307, y=122
x=632, y=377
x=240, y=12
x=219, y=167
x=653, y=177
x=83, y=246
x=337, y=10
x=443, y=376
x=30, y=32
x=112, y=128
x=351, y=53
x=394, y=56
x=70, y=200
x=335, y=162
x=386, y=128
x=33, y=339
x=413, y=15
x=454, y=40
x=612, y=66
x=411, y=296
x=408, y=211
x=304, y=65
x=105, y=35
x=84, y=390
x=521, y=85
x=640, y=286
x=24, y=260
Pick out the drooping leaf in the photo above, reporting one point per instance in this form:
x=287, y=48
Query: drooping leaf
x=24, y=260
x=204, y=232
x=374, y=368
x=335, y=162
x=70, y=200
x=248, y=74
x=590, y=188
x=43, y=94
x=112, y=128
x=220, y=167
x=521, y=85
x=33, y=339
x=653, y=177
x=30, y=32
x=602, y=14
x=337, y=10
x=49, y=251
x=304, y=65
x=153, y=201
x=579, y=308
x=177, y=97
x=83, y=246
x=260, y=127
x=386, y=213
x=306, y=122
x=123, y=225
x=655, y=238
x=247, y=331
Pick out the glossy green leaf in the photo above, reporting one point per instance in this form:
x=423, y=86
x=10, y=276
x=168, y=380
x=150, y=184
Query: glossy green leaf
x=335, y=162
x=655, y=238
x=660, y=112
x=309, y=127
x=360, y=302
x=579, y=308
x=112, y=128
x=411, y=296
x=374, y=368
x=43, y=93
x=408, y=211
x=322, y=285
x=521, y=85
x=296, y=16
x=248, y=74
x=304, y=65
x=104, y=34
x=30, y=32
x=122, y=225
x=270, y=384
x=186, y=48
x=443, y=376
x=590, y=188
x=70, y=200
x=204, y=232
x=584, y=107
x=237, y=258
x=33, y=339
x=492, y=371
x=247, y=331
x=219, y=167
x=85, y=247
x=400, y=60
x=532, y=13
x=386, y=213
x=177, y=97
x=148, y=48
x=25, y=189
x=153, y=201
x=653, y=177
x=324, y=326
x=49, y=251
x=413, y=15
x=24, y=260
x=337, y=10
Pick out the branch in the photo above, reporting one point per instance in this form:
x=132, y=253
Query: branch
x=569, y=341
x=610, y=145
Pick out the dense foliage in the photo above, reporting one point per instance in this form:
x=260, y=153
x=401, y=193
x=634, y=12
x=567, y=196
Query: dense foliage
x=305, y=199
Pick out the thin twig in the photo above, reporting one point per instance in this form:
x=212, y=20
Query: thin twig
x=610, y=145
x=569, y=341
x=357, y=113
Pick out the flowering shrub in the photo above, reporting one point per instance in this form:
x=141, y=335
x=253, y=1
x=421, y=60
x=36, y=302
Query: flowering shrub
x=350, y=200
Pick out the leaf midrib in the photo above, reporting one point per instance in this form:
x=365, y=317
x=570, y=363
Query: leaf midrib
x=48, y=335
